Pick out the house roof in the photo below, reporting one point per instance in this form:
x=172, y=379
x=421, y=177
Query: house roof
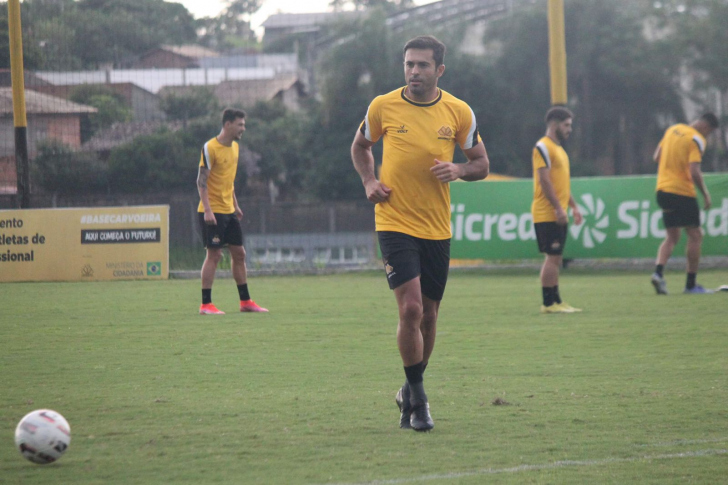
x=193, y=51
x=39, y=103
x=298, y=20
x=155, y=79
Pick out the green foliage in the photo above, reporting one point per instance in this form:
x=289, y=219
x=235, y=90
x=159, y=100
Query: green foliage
x=163, y=161
x=59, y=169
x=111, y=106
x=281, y=139
x=193, y=103
x=88, y=33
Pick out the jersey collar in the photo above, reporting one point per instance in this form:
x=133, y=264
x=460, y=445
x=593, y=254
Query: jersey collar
x=423, y=105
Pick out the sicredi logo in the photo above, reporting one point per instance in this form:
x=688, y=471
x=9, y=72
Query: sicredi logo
x=635, y=219
x=595, y=221
x=642, y=220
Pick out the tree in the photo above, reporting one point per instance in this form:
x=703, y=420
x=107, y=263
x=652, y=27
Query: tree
x=163, y=161
x=193, y=103
x=230, y=29
x=59, y=169
x=111, y=107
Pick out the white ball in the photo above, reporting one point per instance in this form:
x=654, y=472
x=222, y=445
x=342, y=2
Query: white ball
x=42, y=436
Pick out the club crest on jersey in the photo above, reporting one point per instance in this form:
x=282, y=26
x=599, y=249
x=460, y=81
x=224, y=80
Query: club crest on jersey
x=445, y=133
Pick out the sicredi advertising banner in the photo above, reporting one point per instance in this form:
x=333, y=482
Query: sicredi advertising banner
x=108, y=243
x=621, y=219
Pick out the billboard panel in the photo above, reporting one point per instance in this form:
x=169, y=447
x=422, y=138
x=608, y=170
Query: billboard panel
x=109, y=243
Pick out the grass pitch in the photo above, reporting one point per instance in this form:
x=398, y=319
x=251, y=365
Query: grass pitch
x=633, y=390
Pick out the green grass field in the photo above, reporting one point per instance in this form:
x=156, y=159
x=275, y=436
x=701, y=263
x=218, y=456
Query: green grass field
x=633, y=390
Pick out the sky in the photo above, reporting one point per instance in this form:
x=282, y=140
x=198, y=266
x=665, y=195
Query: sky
x=211, y=8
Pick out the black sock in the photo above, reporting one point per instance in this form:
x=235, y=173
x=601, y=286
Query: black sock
x=659, y=269
x=548, y=295
x=206, y=296
x=414, y=373
x=690, y=284
x=557, y=297
x=243, y=292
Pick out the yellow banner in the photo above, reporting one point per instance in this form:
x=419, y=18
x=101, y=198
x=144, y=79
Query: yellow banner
x=99, y=244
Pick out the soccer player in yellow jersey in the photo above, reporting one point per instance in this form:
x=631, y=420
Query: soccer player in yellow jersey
x=420, y=125
x=678, y=173
x=219, y=212
x=551, y=198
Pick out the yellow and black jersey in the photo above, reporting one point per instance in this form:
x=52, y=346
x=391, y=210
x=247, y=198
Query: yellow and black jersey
x=415, y=134
x=681, y=146
x=222, y=162
x=548, y=154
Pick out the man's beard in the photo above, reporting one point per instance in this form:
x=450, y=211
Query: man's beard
x=561, y=137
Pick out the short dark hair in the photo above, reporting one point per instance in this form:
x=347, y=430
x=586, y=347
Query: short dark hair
x=427, y=42
x=558, y=113
x=232, y=114
x=711, y=119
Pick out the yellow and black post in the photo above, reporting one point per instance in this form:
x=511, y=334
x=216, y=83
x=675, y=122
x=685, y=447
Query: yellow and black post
x=557, y=52
x=19, y=117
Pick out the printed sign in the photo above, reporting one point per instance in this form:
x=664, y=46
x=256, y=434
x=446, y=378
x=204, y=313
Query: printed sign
x=621, y=219
x=109, y=243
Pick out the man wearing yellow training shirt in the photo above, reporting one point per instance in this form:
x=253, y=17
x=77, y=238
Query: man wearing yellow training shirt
x=219, y=213
x=420, y=125
x=678, y=173
x=551, y=198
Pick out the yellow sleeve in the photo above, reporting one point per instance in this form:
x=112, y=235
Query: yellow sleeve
x=371, y=127
x=205, y=158
x=696, y=150
x=467, y=135
x=541, y=157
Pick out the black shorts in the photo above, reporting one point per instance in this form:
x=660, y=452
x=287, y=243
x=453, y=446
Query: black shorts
x=406, y=257
x=227, y=232
x=678, y=210
x=551, y=237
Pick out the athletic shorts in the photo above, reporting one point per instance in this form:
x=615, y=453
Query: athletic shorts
x=678, y=210
x=551, y=237
x=406, y=257
x=227, y=232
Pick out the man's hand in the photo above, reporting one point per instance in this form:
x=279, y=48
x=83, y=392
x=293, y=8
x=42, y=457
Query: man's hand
x=707, y=201
x=376, y=191
x=210, y=218
x=239, y=213
x=578, y=218
x=561, y=217
x=445, y=172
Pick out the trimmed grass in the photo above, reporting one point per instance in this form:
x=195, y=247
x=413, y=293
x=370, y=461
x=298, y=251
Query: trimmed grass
x=633, y=390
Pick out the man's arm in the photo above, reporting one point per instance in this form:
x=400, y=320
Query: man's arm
x=544, y=177
x=658, y=152
x=700, y=184
x=361, y=155
x=202, y=176
x=476, y=168
x=578, y=218
x=238, y=210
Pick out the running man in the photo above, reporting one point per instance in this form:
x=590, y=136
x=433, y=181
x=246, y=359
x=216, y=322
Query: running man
x=551, y=198
x=678, y=173
x=420, y=125
x=219, y=212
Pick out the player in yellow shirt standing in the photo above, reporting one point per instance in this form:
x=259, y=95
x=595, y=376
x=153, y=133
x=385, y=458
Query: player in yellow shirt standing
x=219, y=212
x=678, y=173
x=551, y=197
x=420, y=125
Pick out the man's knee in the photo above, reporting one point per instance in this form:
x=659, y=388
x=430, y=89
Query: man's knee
x=214, y=255
x=695, y=235
x=410, y=312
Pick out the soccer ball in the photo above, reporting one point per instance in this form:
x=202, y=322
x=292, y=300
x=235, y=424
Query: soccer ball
x=42, y=436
